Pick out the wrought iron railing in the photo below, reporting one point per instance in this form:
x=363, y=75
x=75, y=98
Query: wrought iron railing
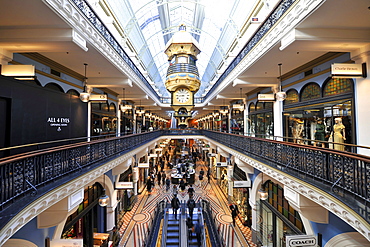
x=25, y=177
x=182, y=68
x=344, y=175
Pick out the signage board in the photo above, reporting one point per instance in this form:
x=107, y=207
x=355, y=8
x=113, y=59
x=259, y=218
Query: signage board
x=153, y=155
x=222, y=164
x=301, y=240
x=143, y=165
x=66, y=243
x=346, y=70
x=124, y=185
x=98, y=97
x=242, y=184
x=266, y=97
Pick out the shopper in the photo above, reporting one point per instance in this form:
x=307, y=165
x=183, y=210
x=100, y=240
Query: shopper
x=175, y=204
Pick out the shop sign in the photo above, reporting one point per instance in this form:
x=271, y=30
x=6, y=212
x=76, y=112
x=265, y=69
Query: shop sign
x=301, y=240
x=143, y=165
x=153, y=155
x=347, y=70
x=66, y=243
x=266, y=97
x=124, y=185
x=242, y=184
x=223, y=164
x=99, y=97
x=58, y=122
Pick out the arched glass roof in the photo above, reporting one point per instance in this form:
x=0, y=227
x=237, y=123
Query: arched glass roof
x=149, y=24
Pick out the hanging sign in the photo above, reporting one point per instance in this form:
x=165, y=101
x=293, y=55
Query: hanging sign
x=347, y=70
x=124, y=185
x=301, y=240
x=242, y=184
x=98, y=97
x=143, y=165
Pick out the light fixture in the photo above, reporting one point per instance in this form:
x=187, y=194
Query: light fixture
x=103, y=199
x=19, y=71
x=123, y=106
x=85, y=96
x=280, y=96
x=262, y=192
x=239, y=106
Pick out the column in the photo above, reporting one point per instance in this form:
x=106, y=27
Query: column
x=135, y=179
x=134, y=120
x=230, y=174
x=361, y=90
x=118, y=127
x=278, y=119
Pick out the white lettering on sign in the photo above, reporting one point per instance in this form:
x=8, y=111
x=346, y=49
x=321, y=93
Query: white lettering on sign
x=58, y=122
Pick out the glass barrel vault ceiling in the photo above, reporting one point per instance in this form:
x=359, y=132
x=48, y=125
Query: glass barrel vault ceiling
x=148, y=25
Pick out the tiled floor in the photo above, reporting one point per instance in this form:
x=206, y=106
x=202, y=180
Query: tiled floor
x=136, y=221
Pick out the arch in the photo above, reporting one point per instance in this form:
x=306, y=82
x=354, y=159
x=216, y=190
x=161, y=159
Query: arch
x=292, y=96
x=310, y=91
x=335, y=86
x=18, y=242
x=252, y=107
x=73, y=92
x=54, y=86
x=352, y=239
x=104, y=107
x=112, y=107
x=259, y=106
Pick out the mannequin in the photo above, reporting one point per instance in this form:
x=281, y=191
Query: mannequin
x=297, y=130
x=339, y=134
x=320, y=132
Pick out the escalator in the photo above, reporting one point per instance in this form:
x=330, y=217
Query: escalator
x=173, y=229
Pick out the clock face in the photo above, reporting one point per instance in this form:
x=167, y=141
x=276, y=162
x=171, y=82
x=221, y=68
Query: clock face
x=182, y=95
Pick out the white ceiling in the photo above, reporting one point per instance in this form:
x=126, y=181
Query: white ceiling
x=336, y=26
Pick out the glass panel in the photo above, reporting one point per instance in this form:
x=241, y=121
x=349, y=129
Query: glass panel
x=311, y=91
x=337, y=86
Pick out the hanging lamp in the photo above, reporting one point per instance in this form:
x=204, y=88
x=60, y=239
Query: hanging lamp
x=85, y=95
x=280, y=96
x=103, y=199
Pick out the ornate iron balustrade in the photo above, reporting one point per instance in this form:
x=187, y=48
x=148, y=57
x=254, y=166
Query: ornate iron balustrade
x=182, y=67
x=26, y=177
x=278, y=12
x=343, y=175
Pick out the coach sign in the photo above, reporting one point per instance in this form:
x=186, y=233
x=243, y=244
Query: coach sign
x=301, y=240
x=348, y=70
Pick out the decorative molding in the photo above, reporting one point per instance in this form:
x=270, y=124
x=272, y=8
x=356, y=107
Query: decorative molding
x=44, y=202
x=309, y=191
x=72, y=12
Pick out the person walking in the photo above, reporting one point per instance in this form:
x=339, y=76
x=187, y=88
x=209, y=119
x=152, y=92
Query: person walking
x=149, y=184
x=114, y=237
x=168, y=183
x=190, y=225
x=182, y=185
x=191, y=191
x=159, y=177
x=234, y=212
x=175, y=204
x=198, y=231
x=191, y=206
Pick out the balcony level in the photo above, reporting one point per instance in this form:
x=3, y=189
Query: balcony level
x=33, y=181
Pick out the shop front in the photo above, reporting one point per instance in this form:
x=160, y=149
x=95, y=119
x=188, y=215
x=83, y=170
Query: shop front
x=317, y=115
x=89, y=220
x=276, y=218
x=104, y=120
x=260, y=120
x=241, y=195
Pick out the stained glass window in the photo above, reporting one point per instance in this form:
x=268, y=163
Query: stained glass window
x=337, y=86
x=291, y=97
x=311, y=91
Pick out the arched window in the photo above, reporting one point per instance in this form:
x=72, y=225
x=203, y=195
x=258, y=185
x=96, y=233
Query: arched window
x=73, y=92
x=291, y=96
x=259, y=106
x=269, y=105
x=54, y=86
x=252, y=107
x=337, y=86
x=310, y=91
x=112, y=107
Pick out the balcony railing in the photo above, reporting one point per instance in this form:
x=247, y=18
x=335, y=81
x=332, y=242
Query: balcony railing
x=182, y=68
x=25, y=177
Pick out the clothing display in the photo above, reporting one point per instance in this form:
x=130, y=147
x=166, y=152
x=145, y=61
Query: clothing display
x=339, y=134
